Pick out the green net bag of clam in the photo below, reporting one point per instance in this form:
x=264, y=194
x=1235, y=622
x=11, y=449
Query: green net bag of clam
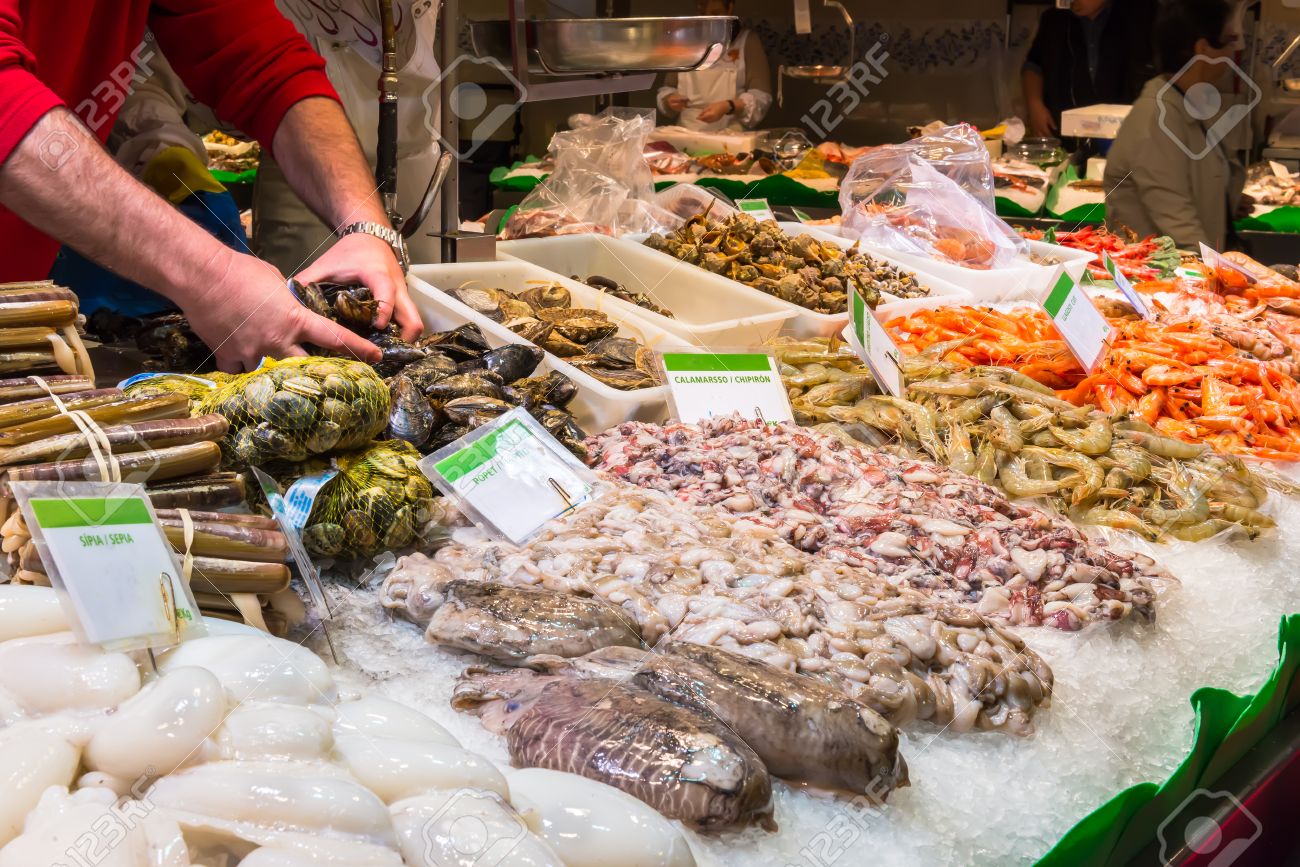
x=291, y=409
x=377, y=502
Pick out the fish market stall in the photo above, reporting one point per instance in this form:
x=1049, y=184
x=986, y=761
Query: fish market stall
x=489, y=601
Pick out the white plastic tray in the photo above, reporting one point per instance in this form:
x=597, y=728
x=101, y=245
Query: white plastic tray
x=708, y=310
x=597, y=406
x=1022, y=281
x=804, y=322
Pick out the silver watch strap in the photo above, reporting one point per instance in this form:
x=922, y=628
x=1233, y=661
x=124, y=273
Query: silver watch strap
x=383, y=233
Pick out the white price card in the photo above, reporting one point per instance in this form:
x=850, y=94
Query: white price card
x=113, y=568
x=707, y=384
x=1217, y=261
x=1085, y=330
x=873, y=344
x=510, y=476
x=1124, y=286
x=759, y=209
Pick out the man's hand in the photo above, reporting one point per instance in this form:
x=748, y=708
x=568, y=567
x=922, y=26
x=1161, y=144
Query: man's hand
x=1245, y=207
x=1041, y=123
x=715, y=111
x=369, y=260
x=676, y=102
x=249, y=312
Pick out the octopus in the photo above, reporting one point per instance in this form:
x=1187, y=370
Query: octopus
x=919, y=524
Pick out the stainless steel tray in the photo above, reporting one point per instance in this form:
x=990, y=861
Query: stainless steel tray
x=577, y=46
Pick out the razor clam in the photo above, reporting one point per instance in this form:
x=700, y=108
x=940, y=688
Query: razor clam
x=803, y=729
x=508, y=624
x=686, y=765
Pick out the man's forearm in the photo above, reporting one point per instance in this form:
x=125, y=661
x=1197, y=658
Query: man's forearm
x=320, y=156
x=86, y=200
x=1031, y=82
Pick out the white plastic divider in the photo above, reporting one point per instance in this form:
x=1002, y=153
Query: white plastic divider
x=1025, y=280
x=597, y=406
x=708, y=310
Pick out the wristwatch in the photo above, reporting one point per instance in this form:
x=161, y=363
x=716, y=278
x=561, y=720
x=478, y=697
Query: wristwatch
x=731, y=106
x=383, y=233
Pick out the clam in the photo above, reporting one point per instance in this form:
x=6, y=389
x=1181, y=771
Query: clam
x=554, y=388
x=257, y=394
x=305, y=386
x=358, y=530
x=323, y=437
x=577, y=324
x=475, y=410
x=464, y=342
x=411, y=416
x=512, y=361
x=325, y=539
x=340, y=412
x=291, y=411
x=482, y=382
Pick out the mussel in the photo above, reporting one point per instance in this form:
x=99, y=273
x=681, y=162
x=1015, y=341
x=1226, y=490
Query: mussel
x=411, y=417
x=475, y=410
x=513, y=361
x=474, y=382
x=554, y=388
x=460, y=344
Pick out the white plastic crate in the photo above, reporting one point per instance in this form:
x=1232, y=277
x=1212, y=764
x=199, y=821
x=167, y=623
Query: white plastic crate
x=597, y=406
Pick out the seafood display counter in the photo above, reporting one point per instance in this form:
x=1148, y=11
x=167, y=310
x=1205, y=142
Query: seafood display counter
x=1018, y=612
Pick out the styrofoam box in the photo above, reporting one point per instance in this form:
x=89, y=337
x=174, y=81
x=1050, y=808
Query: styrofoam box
x=597, y=406
x=1026, y=280
x=1094, y=121
x=708, y=310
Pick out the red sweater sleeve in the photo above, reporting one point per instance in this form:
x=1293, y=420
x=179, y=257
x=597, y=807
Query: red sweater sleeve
x=241, y=57
x=23, y=98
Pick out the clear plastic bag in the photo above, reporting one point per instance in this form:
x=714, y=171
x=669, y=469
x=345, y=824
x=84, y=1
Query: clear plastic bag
x=957, y=152
x=601, y=181
x=921, y=211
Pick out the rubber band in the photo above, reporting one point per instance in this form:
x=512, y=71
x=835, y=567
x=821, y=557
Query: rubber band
x=96, y=440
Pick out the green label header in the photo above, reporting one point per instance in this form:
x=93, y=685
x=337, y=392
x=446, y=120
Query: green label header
x=90, y=512
x=694, y=362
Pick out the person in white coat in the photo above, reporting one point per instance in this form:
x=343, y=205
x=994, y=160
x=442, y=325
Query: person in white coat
x=735, y=92
x=347, y=34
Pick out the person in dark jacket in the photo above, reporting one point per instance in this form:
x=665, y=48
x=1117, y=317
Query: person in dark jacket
x=1097, y=51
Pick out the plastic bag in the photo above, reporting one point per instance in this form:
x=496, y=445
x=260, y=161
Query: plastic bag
x=922, y=212
x=684, y=201
x=601, y=182
x=957, y=152
x=291, y=409
x=378, y=501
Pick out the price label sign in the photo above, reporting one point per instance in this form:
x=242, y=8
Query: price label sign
x=873, y=344
x=292, y=530
x=1122, y=283
x=759, y=209
x=510, y=476
x=704, y=385
x=1218, y=262
x=112, y=566
x=1086, y=331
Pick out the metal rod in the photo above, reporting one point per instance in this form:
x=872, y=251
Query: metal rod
x=448, y=122
x=386, y=149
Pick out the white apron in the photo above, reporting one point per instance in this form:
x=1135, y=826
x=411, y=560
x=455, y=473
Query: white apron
x=719, y=82
x=347, y=34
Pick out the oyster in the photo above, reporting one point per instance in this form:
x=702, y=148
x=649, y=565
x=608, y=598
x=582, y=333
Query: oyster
x=547, y=295
x=507, y=624
x=481, y=299
x=686, y=765
x=618, y=290
x=577, y=324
